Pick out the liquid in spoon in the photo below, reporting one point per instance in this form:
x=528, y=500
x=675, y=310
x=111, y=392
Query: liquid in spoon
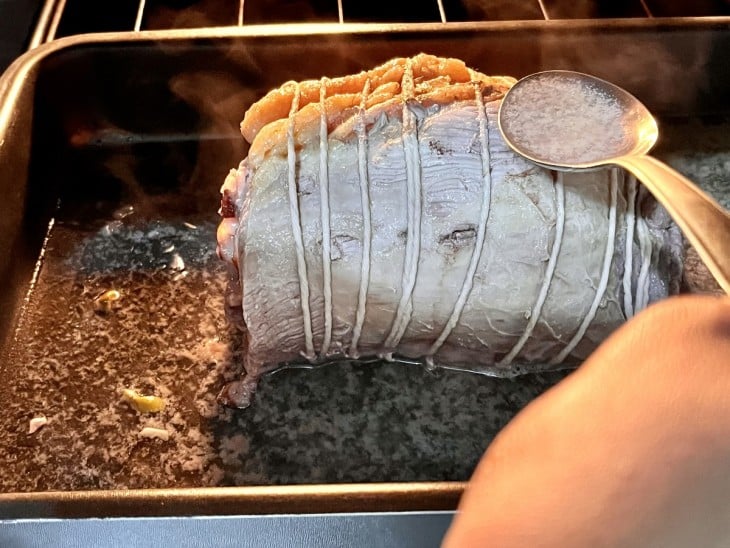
x=560, y=118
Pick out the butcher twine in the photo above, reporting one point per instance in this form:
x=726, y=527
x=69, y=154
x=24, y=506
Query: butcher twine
x=629, y=251
x=324, y=192
x=413, y=198
x=296, y=226
x=605, y=271
x=549, y=271
x=362, y=164
x=486, y=207
x=645, y=250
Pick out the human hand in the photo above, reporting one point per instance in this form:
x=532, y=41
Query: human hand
x=632, y=449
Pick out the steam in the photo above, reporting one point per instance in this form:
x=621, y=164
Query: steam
x=218, y=13
x=663, y=73
x=497, y=10
x=204, y=13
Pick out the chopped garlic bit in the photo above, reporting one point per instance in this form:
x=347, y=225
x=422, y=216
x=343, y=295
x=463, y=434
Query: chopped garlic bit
x=111, y=295
x=151, y=432
x=36, y=423
x=177, y=262
x=143, y=404
x=104, y=302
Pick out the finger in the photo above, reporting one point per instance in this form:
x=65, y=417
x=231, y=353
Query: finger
x=632, y=447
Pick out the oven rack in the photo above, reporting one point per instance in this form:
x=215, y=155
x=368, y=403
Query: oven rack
x=60, y=18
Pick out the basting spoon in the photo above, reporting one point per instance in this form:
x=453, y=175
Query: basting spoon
x=571, y=121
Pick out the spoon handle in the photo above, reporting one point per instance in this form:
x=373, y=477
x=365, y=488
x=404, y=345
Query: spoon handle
x=703, y=221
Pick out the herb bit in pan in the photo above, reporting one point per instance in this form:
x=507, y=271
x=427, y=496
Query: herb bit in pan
x=141, y=403
x=104, y=303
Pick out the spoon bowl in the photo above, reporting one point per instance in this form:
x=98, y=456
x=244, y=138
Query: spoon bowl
x=570, y=121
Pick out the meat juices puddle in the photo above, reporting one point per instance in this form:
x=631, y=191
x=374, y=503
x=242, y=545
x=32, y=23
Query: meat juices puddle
x=166, y=335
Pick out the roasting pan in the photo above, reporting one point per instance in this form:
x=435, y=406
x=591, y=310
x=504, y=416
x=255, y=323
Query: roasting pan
x=112, y=151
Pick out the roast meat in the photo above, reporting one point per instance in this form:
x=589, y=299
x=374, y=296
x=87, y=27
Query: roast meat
x=381, y=215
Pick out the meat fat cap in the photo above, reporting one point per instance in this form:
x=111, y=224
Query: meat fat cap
x=429, y=72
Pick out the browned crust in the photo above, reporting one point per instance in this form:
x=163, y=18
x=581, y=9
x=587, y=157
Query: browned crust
x=437, y=81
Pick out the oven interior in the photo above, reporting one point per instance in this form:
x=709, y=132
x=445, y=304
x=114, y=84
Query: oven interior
x=61, y=18
x=114, y=153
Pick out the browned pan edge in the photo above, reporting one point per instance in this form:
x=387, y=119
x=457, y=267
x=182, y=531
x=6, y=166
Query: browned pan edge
x=254, y=500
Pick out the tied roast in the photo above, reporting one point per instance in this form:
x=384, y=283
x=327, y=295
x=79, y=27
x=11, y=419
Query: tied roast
x=381, y=215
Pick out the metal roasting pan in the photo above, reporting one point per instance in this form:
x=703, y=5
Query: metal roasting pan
x=92, y=124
